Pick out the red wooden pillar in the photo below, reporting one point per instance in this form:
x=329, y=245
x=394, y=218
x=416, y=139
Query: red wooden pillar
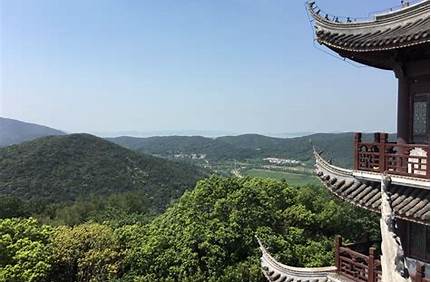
x=371, y=266
x=356, y=141
x=381, y=139
x=383, y=159
x=338, y=244
x=403, y=111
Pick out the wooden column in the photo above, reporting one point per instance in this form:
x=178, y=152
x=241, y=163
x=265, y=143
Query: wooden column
x=371, y=274
x=357, y=139
x=338, y=243
x=403, y=111
x=381, y=139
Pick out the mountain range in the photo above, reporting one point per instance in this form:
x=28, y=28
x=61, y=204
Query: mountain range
x=336, y=146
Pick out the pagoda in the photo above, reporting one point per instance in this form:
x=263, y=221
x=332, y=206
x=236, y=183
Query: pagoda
x=389, y=178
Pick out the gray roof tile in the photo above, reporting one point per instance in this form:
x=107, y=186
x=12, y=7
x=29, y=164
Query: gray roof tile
x=408, y=203
x=407, y=27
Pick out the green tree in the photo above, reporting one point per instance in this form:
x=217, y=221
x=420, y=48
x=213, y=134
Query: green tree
x=87, y=252
x=210, y=232
x=25, y=253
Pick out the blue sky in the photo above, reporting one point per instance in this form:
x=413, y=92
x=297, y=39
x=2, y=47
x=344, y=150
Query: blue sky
x=236, y=66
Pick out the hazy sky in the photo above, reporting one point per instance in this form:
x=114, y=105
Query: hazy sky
x=239, y=65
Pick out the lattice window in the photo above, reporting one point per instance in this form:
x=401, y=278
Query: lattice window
x=419, y=242
x=420, y=118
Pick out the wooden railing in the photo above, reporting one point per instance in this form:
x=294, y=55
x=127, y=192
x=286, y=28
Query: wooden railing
x=365, y=268
x=357, y=266
x=393, y=158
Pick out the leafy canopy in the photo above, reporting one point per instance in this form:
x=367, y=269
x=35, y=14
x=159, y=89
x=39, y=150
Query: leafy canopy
x=207, y=235
x=25, y=253
x=210, y=232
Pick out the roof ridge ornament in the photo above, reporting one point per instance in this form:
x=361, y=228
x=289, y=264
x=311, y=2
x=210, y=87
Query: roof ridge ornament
x=359, y=39
x=314, y=9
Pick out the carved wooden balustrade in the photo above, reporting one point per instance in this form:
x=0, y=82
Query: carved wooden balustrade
x=355, y=265
x=365, y=268
x=395, y=158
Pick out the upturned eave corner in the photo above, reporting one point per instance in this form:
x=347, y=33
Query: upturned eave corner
x=410, y=202
x=276, y=271
x=406, y=26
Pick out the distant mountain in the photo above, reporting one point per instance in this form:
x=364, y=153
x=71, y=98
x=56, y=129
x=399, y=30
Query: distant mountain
x=64, y=168
x=288, y=134
x=134, y=133
x=14, y=131
x=336, y=146
x=168, y=146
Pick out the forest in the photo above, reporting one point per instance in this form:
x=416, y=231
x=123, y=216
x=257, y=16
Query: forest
x=208, y=234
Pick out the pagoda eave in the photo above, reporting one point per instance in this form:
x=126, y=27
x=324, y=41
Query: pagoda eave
x=409, y=197
x=378, y=41
x=386, y=59
x=276, y=271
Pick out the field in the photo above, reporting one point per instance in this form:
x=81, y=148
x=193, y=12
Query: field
x=295, y=179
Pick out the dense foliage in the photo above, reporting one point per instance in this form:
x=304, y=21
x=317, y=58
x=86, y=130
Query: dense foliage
x=87, y=252
x=25, y=252
x=115, y=209
x=64, y=168
x=207, y=235
x=210, y=233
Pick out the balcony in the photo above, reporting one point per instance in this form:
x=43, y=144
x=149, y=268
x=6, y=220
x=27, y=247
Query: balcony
x=394, y=158
x=352, y=263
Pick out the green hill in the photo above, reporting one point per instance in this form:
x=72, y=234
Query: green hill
x=15, y=131
x=64, y=168
x=338, y=146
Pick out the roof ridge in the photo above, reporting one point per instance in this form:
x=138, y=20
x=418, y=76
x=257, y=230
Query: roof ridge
x=382, y=16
